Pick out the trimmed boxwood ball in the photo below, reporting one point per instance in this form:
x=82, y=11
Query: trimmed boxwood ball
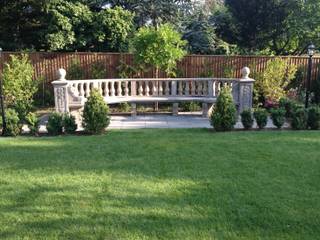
x=223, y=117
x=55, y=123
x=261, y=116
x=299, y=119
x=69, y=123
x=13, y=123
x=95, y=114
x=278, y=117
x=247, y=119
x=314, y=118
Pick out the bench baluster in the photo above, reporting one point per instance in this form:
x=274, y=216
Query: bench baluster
x=167, y=90
x=87, y=89
x=180, y=88
x=193, y=88
x=113, y=91
x=199, y=90
x=140, y=91
x=126, y=89
x=146, y=88
x=81, y=92
x=154, y=88
x=160, y=88
x=119, y=90
x=105, y=89
x=187, y=90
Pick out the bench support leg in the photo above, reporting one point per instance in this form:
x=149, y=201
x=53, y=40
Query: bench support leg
x=175, y=109
x=207, y=109
x=133, y=109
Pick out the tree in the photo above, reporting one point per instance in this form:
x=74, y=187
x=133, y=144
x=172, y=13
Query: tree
x=155, y=12
x=202, y=38
x=63, y=25
x=254, y=24
x=161, y=48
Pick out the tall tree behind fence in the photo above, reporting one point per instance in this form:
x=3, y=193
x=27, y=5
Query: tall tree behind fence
x=47, y=64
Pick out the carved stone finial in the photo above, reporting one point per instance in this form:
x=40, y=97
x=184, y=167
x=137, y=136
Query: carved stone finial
x=62, y=74
x=245, y=72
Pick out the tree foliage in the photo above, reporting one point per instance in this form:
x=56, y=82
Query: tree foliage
x=19, y=85
x=161, y=47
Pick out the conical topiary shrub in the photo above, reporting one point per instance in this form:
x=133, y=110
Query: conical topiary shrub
x=95, y=114
x=223, y=117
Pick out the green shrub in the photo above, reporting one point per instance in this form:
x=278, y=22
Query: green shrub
x=288, y=105
x=75, y=71
x=124, y=107
x=275, y=79
x=98, y=70
x=299, y=119
x=314, y=118
x=278, y=116
x=19, y=85
x=95, y=114
x=13, y=123
x=190, y=106
x=55, y=123
x=69, y=123
x=261, y=116
x=247, y=119
x=33, y=123
x=224, y=116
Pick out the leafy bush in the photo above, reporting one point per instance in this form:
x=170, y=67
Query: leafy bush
x=247, y=119
x=224, y=116
x=314, y=118
x=13, y=123
x=69, y=123
x=98, y=70
x=299, y=119
x=33, y=123
x=75, y=71
x=55, y=124
x=274, y=80
x=95, y=114
x=191, y=106
x=261, y=116
x=19, y=85
x=288, y=105
x=124, y=107
x=278, y=117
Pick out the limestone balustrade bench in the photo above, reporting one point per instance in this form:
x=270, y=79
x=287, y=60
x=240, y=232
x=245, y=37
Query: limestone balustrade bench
x=71, y=95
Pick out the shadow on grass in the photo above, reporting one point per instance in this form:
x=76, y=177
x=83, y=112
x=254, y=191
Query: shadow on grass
x=161, y=185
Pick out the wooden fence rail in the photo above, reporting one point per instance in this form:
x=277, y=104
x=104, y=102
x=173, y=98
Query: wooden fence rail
x=192, y=66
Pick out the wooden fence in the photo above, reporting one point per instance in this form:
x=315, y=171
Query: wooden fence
x=47, y=64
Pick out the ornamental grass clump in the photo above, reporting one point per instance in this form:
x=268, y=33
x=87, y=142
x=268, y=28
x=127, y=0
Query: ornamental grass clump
x=223, y=117
x=261, y=117
x=278, y=116
x=95, y=114
x=314, y=118
x=247, y=119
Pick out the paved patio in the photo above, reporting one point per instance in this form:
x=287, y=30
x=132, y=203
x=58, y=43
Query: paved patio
x=183, y=120
x=167, y=121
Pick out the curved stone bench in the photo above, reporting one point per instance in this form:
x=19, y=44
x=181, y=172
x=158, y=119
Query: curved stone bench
x=70, y=95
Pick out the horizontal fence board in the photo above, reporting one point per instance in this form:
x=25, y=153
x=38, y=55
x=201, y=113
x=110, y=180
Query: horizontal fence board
x=192, y=66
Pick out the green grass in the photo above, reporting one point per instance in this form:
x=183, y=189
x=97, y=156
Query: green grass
x=161, y=184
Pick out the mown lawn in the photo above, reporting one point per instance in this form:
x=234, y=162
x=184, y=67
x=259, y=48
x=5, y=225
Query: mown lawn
x=161, y=184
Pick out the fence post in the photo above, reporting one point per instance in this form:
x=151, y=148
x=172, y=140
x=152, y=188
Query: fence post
x=60, y=92
x=245, y=94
